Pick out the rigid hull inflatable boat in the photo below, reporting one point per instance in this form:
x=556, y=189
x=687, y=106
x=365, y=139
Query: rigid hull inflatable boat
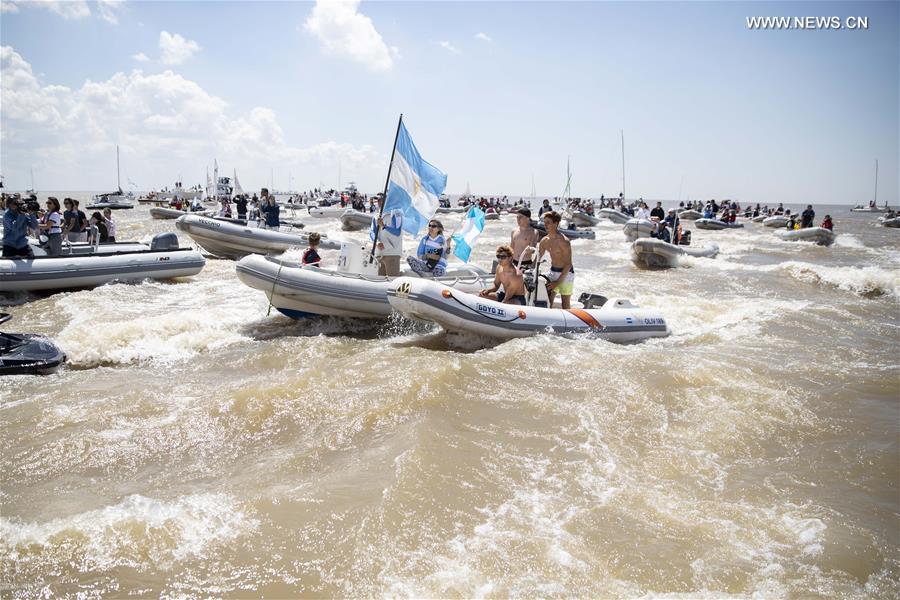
x=162, y=260
x=306, y=291
x=818, y=235
x=232, y=240
x=658, y=254
x=715, y=224
x=456, y=311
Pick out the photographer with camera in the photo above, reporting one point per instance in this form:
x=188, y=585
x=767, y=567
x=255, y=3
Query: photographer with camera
x=17, y=220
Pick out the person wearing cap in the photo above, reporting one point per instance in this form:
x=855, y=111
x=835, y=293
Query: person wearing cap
x=662, y=232
x=523, y=239
x=16, y=223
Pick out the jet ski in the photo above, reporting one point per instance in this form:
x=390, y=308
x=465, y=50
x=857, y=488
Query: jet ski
x=27, y=353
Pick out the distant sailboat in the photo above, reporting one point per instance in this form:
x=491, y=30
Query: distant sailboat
x=117, y=199
x=873, y=204
x=238, y=190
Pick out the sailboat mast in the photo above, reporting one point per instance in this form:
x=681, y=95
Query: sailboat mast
x=118, y=181
x=623, y=165
x=876, y=182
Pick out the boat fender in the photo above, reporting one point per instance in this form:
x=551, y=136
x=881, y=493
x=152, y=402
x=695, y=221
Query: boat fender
x=164, y=241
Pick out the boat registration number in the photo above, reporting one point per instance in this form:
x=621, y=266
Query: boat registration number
x=654, y=321
x=491, y=310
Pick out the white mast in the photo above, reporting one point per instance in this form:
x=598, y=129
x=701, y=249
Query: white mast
x=876, y=184
x=623, y=165
x=118, y=181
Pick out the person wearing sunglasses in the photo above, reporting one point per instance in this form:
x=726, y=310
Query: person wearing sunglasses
x=433, y=248
x=507, y=276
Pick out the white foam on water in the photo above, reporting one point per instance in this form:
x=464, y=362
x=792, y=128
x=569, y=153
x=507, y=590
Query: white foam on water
x=862, y=281
x=139, y=532
x=120, y=324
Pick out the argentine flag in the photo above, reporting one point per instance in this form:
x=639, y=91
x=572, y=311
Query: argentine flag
x=472, y=228
x=415, y=186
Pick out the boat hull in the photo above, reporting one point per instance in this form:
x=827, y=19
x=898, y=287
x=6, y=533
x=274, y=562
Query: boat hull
x=715, y=224
x=231, y=240
x=73, y=272
x=308, y=291
x=638, y=228
x=460, y=312
x=775, y=221
x=651, y=253
x=817, y=235
x=613, y=215
x=354, y=220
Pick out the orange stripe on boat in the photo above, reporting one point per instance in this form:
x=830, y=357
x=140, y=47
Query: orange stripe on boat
x=586, y=317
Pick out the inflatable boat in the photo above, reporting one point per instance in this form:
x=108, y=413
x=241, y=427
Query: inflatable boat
x=27, y=353
x=354, y=220
x=775, y=221
x=161, y=212
x=613, y=215
x=492, y=216
x=869, y=209
x=572, y=234
x=638, y=228
x=818, y=235
x=231, y=240
x=657, y=254
x=327, y=212
x=758, y=218
x=449, y=210
x=304, y=291
x=582, y=219
x=715, y=224
x=162, y=260
x=689, y=214
x=895, y=222
x=456, y=311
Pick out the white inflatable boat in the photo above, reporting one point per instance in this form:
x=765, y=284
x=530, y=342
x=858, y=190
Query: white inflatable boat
x=868, y=209
x=461, y=312
x=657, y=254
x=775, y=221
x=689, y=214
x=162, y=260
x=449, y=210
x=758, y=218
x=613, y=215
x=161, y=212
x=354, y=220
x=895, y=222
x=326, y=212
x=300, y=292
x=231, y=240
x=638, y=228
x=715, y=224
x=572, y=234
x=582, y=219
x=818, y=235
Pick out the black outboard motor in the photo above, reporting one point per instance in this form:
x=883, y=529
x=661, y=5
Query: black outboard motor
x=685, y=238
x=164, y=241
x=592, y=300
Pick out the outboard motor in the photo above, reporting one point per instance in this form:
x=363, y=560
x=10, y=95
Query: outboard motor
x=164, y=241
x=592, y=300
x=685, y=238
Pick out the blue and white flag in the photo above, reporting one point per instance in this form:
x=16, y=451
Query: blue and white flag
x=415, y=186
x=472, y=228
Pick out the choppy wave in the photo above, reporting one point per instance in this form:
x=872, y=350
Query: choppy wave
x=862, y=281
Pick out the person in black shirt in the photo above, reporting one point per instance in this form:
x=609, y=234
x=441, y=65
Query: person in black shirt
x=658, y=212
x=806, y=218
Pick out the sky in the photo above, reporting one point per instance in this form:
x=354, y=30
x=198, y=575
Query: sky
x=498, y=95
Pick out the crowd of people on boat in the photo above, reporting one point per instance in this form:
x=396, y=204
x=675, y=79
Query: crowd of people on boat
x=52, y=226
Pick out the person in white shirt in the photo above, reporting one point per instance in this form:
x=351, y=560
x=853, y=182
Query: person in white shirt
x=390, y=242
x=642, y=212
x=52, y=225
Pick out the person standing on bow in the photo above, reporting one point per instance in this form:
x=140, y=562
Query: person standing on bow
x=562, y=274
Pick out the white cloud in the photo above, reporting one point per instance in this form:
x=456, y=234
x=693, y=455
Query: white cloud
x=67, y=9
x=449, y=47
x=140, y=57
x=107, y=9
x=344, y=32
x=164, y=123
x=483, y=37
x=175, y=49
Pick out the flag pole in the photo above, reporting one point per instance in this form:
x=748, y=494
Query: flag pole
x=387, y=182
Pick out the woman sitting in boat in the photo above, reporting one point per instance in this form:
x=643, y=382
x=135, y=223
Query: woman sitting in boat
x=430, y=256
x=827, y=224
x=507, y=276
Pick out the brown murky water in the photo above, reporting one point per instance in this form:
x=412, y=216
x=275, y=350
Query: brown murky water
x=196, y=446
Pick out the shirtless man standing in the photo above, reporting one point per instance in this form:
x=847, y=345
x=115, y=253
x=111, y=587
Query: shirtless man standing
x=509, y=277
x=562, y=275
x=523, y=237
